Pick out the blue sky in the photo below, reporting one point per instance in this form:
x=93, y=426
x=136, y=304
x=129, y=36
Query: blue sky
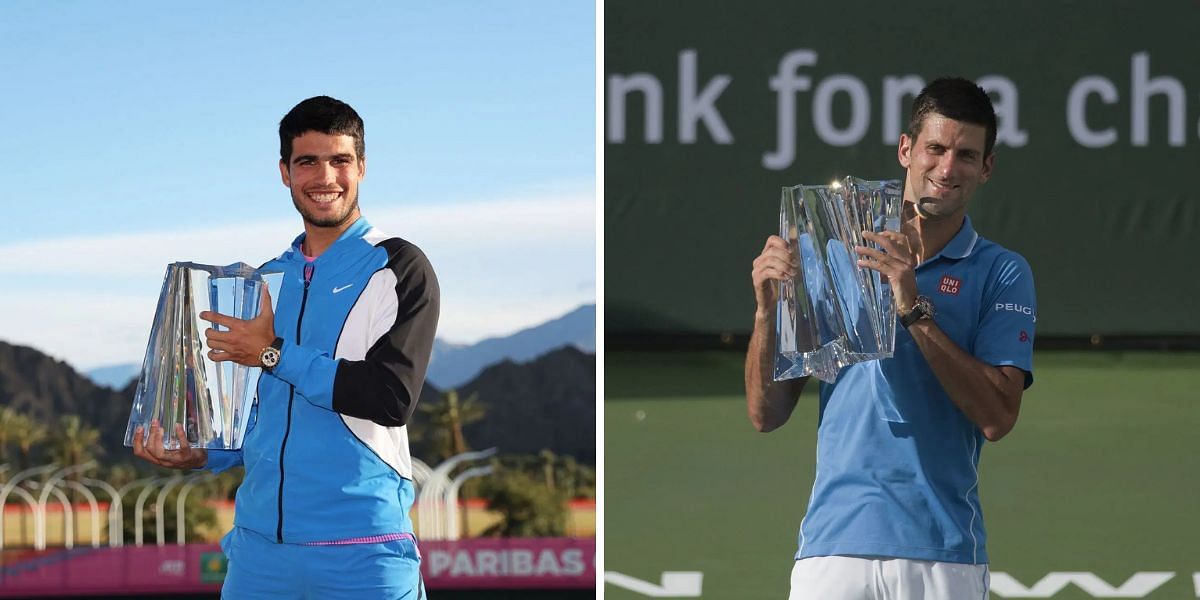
x=142, y=133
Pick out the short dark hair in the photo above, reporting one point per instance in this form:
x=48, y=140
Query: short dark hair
x=324, y=115
x=959, y=99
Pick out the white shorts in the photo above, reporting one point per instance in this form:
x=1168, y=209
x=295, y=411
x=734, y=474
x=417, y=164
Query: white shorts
x=853, y=578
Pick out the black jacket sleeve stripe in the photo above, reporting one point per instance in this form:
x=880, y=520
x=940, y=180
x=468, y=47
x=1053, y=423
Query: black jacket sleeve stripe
x=384, y=387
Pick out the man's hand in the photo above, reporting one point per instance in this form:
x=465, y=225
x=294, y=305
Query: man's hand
x=769, y=403
x=186, y=457
x=897, y=263
x=245, y=340
x=776, y=263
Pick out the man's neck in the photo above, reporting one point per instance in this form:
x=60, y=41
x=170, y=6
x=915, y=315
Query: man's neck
x=318, y=239
x=930, y=235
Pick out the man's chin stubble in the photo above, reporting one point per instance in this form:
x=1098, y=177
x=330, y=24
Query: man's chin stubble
x=920, y=204
x=311, y=220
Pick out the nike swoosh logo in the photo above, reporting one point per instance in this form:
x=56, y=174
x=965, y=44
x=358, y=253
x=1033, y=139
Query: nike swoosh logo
x=338, y=289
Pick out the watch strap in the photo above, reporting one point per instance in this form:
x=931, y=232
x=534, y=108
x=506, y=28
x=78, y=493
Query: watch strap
x=913, y=316
x=922, y=309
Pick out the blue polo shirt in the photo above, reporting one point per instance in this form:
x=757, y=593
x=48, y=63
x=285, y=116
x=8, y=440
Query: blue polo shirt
x=897, y=461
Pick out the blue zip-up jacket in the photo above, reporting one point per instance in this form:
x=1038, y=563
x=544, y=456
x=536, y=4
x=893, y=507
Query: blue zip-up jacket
x=326, y=453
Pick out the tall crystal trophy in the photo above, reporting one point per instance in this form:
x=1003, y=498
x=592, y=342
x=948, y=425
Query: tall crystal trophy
x=179, y=384
x=834, y=313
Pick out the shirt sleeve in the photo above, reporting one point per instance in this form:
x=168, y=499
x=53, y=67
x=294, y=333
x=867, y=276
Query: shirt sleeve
x=385, y=385
x=1008, y=316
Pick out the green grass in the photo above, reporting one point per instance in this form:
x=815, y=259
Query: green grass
x=1101, y=474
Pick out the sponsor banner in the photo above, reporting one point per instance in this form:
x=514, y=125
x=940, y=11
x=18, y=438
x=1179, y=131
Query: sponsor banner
x=708, y=118
x=96, y=571
x=525, y=563
x=510, y=563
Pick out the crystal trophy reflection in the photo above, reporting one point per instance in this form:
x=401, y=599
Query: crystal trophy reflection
x=179, y=384
x=834, y=313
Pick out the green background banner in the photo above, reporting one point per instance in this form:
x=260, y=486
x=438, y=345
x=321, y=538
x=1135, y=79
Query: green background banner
x=712, y=107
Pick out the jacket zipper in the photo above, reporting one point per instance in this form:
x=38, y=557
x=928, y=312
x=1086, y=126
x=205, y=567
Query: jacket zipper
x=308, y=273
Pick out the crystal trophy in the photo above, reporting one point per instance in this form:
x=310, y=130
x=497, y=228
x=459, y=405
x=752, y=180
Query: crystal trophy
x=834, y=313
x=179, y=384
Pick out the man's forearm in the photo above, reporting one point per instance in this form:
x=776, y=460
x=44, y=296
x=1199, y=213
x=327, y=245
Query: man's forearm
x=984, y=393
x=769, y=403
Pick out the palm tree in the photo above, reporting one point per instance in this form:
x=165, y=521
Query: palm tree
x=75, y=443
x=548, y=460
x=445, y=421
x=27, y=433
x=8, y=429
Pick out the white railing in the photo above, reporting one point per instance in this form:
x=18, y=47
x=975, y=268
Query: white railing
x=437, y=500
x=11, y=485
x=432, y=507
x=451, y=498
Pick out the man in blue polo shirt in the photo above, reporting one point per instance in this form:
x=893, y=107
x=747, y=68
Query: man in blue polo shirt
x=894, y=511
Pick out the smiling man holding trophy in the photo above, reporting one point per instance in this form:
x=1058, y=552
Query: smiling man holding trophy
x=323, y=510
x=894, y=511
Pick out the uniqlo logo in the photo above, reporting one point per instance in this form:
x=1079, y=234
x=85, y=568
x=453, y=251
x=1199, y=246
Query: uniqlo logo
x=949, y=285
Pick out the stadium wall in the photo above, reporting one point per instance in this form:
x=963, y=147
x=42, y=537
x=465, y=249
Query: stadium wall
x=712, y=107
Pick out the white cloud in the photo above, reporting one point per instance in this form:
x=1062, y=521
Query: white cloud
x=503, y=265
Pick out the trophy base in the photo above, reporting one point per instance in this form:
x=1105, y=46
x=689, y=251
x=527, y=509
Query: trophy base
x=824, y=363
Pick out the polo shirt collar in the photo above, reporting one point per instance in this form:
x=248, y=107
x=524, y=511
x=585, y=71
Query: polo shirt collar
x=961, y=245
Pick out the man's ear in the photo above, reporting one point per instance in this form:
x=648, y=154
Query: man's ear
x=988, y=163
x=283, y=173
x=904, y=150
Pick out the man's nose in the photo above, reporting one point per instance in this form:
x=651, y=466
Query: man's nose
x=946, y=165
x=326, y=173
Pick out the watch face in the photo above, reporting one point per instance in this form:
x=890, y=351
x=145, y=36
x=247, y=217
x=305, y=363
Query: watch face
x=270, y=357
x=926, y=307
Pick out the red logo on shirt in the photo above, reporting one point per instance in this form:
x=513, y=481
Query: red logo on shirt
x=949, y=285
x=1024, y=336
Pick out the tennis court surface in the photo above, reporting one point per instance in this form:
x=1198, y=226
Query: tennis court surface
x=1100, y=479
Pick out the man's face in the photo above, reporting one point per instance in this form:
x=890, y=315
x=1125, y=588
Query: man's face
x=323, y=175
x=945, y=164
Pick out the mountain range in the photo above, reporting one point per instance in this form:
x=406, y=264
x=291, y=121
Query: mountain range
x=451, y=364
x=545, y=403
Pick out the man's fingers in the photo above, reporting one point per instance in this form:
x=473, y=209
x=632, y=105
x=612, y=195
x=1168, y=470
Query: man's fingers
x=139, y=448
x=894, y=244
x=874, y=259
x=776, y=264
x=265, y=303
x=871, y=253
x=775, y=241
x=155, y=445
x=773, y=274
x=181, y=435
x=218, y=335
x=153, y=451
x=781, y=252
x=218, y=318
x=219, y=356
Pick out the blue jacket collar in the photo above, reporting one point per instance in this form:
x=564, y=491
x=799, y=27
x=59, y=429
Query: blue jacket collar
x=356, y=231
